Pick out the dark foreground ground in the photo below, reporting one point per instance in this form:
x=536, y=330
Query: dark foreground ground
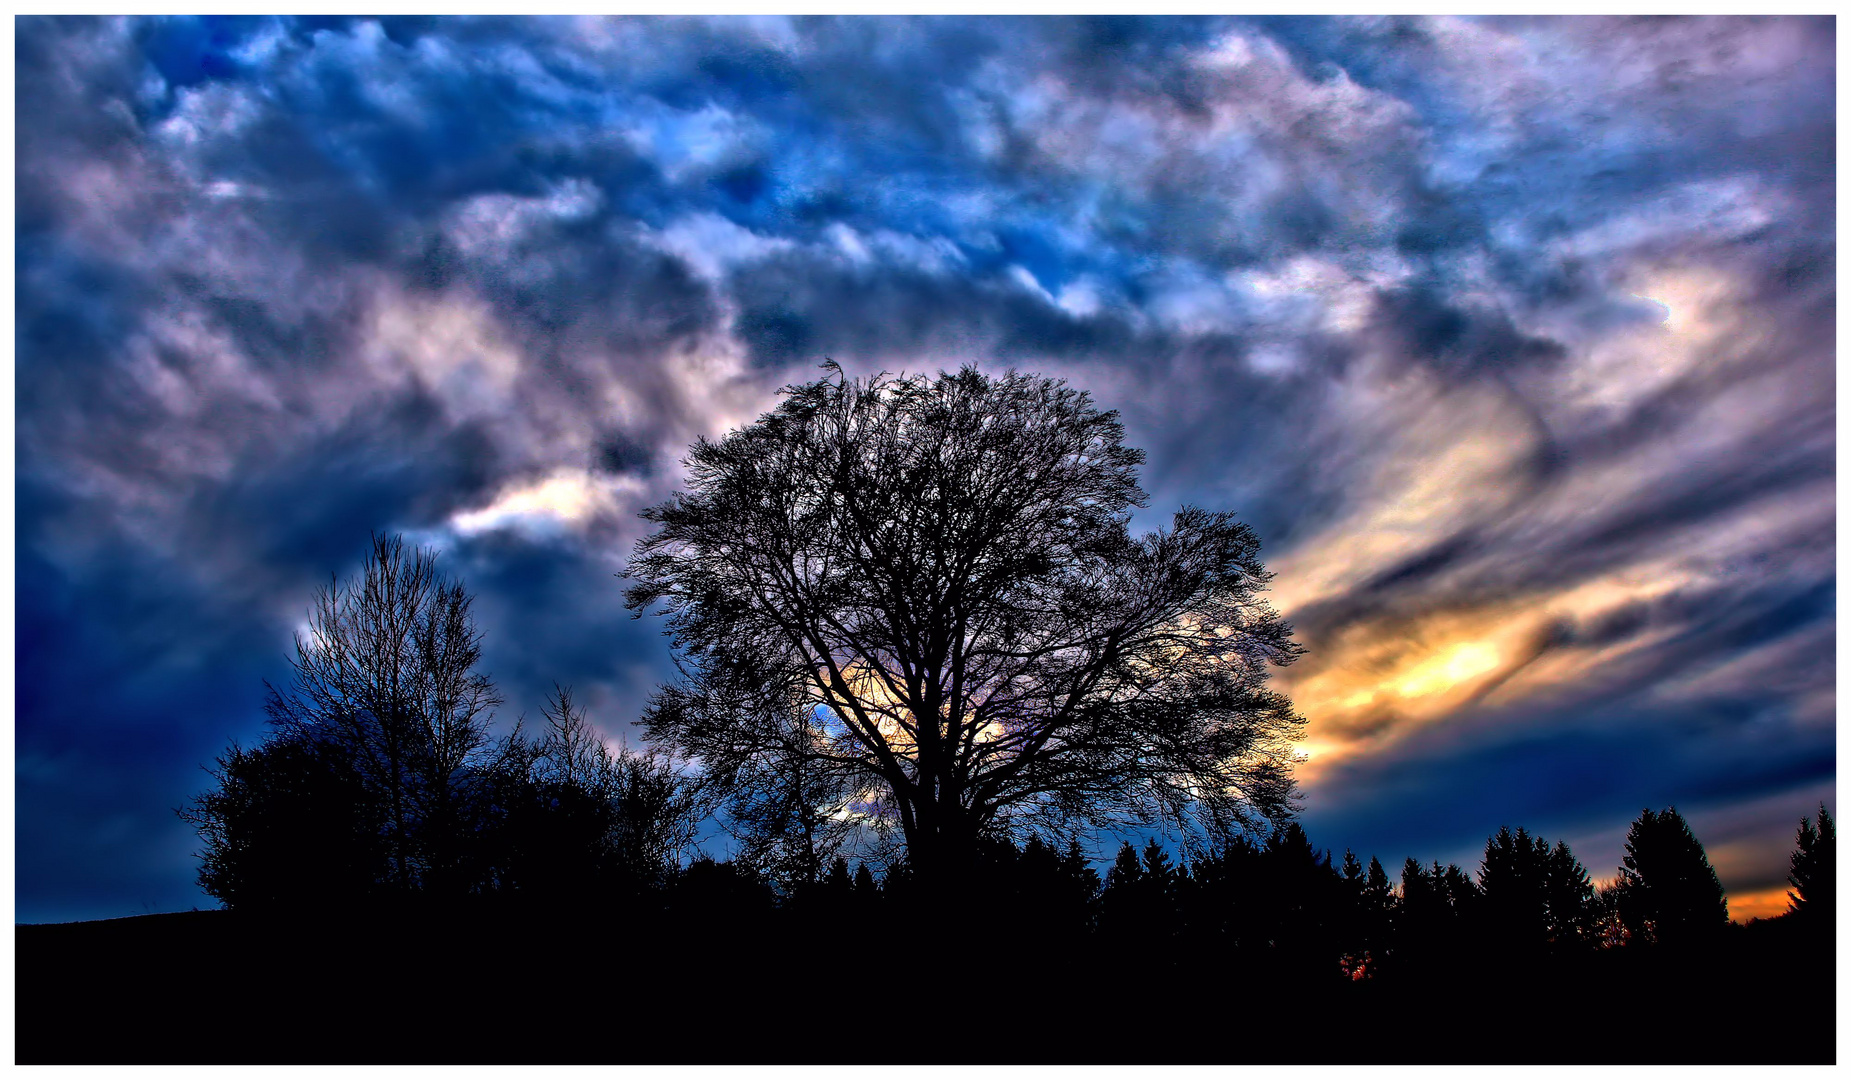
x=205, y=987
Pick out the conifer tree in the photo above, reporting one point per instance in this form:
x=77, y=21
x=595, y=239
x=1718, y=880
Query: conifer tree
x=1512, y=879
x=1814, y=868
x=837, y=883
x=1570, y=896
x=1668, y=892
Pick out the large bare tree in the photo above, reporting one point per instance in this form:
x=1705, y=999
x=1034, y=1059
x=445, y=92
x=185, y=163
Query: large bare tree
x=927, y=590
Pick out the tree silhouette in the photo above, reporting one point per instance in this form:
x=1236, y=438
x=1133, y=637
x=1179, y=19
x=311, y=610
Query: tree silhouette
x=787, y=809
x=1814, y=869
x=1143, y=909
x=1220, y=903
x=1060, y=887
x=1609, y=928
x=291, y=824
x=940, y=569
x=1372, y=903
x=386, y=673
x=1570, y=896
x=1436, y=919
x=1667, y=892
x=575, y=820
x=1295, y=916
x=709, y=898
x=1123, y=905
x=657, y=817
x=379, y=777
x=1511, y=880
x=1534, y=897
x=839, y=881
x=372, y=747
x=1126, y=871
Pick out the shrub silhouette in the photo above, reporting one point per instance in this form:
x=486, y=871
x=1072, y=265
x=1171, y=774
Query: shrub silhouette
x=291, y=825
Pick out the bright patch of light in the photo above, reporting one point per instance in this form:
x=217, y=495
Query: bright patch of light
x=1460, y=664
x=565, y=500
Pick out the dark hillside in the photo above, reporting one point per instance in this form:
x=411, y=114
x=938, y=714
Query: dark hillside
x=505, y=986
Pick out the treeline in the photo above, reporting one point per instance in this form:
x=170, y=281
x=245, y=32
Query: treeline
x=1528, y=901
x=312, y=820
x=1264, y=951
x=1282, y=904
x=381, y=785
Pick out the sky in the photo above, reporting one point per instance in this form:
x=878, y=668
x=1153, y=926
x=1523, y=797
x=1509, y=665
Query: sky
x=1512, y=338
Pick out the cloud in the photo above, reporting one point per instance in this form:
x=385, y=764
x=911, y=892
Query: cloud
x=1513, y=338
x=567, y=499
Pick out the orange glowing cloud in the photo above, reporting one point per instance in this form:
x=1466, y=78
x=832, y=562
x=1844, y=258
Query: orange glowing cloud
x=1507, y=620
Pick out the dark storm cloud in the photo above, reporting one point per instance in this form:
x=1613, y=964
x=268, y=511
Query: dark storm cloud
x=1513, y=338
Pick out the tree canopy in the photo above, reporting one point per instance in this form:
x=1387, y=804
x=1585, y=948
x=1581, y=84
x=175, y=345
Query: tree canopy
x=923, y=595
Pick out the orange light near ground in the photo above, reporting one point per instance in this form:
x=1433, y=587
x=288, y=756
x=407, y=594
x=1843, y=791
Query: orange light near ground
x=1757, y=905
